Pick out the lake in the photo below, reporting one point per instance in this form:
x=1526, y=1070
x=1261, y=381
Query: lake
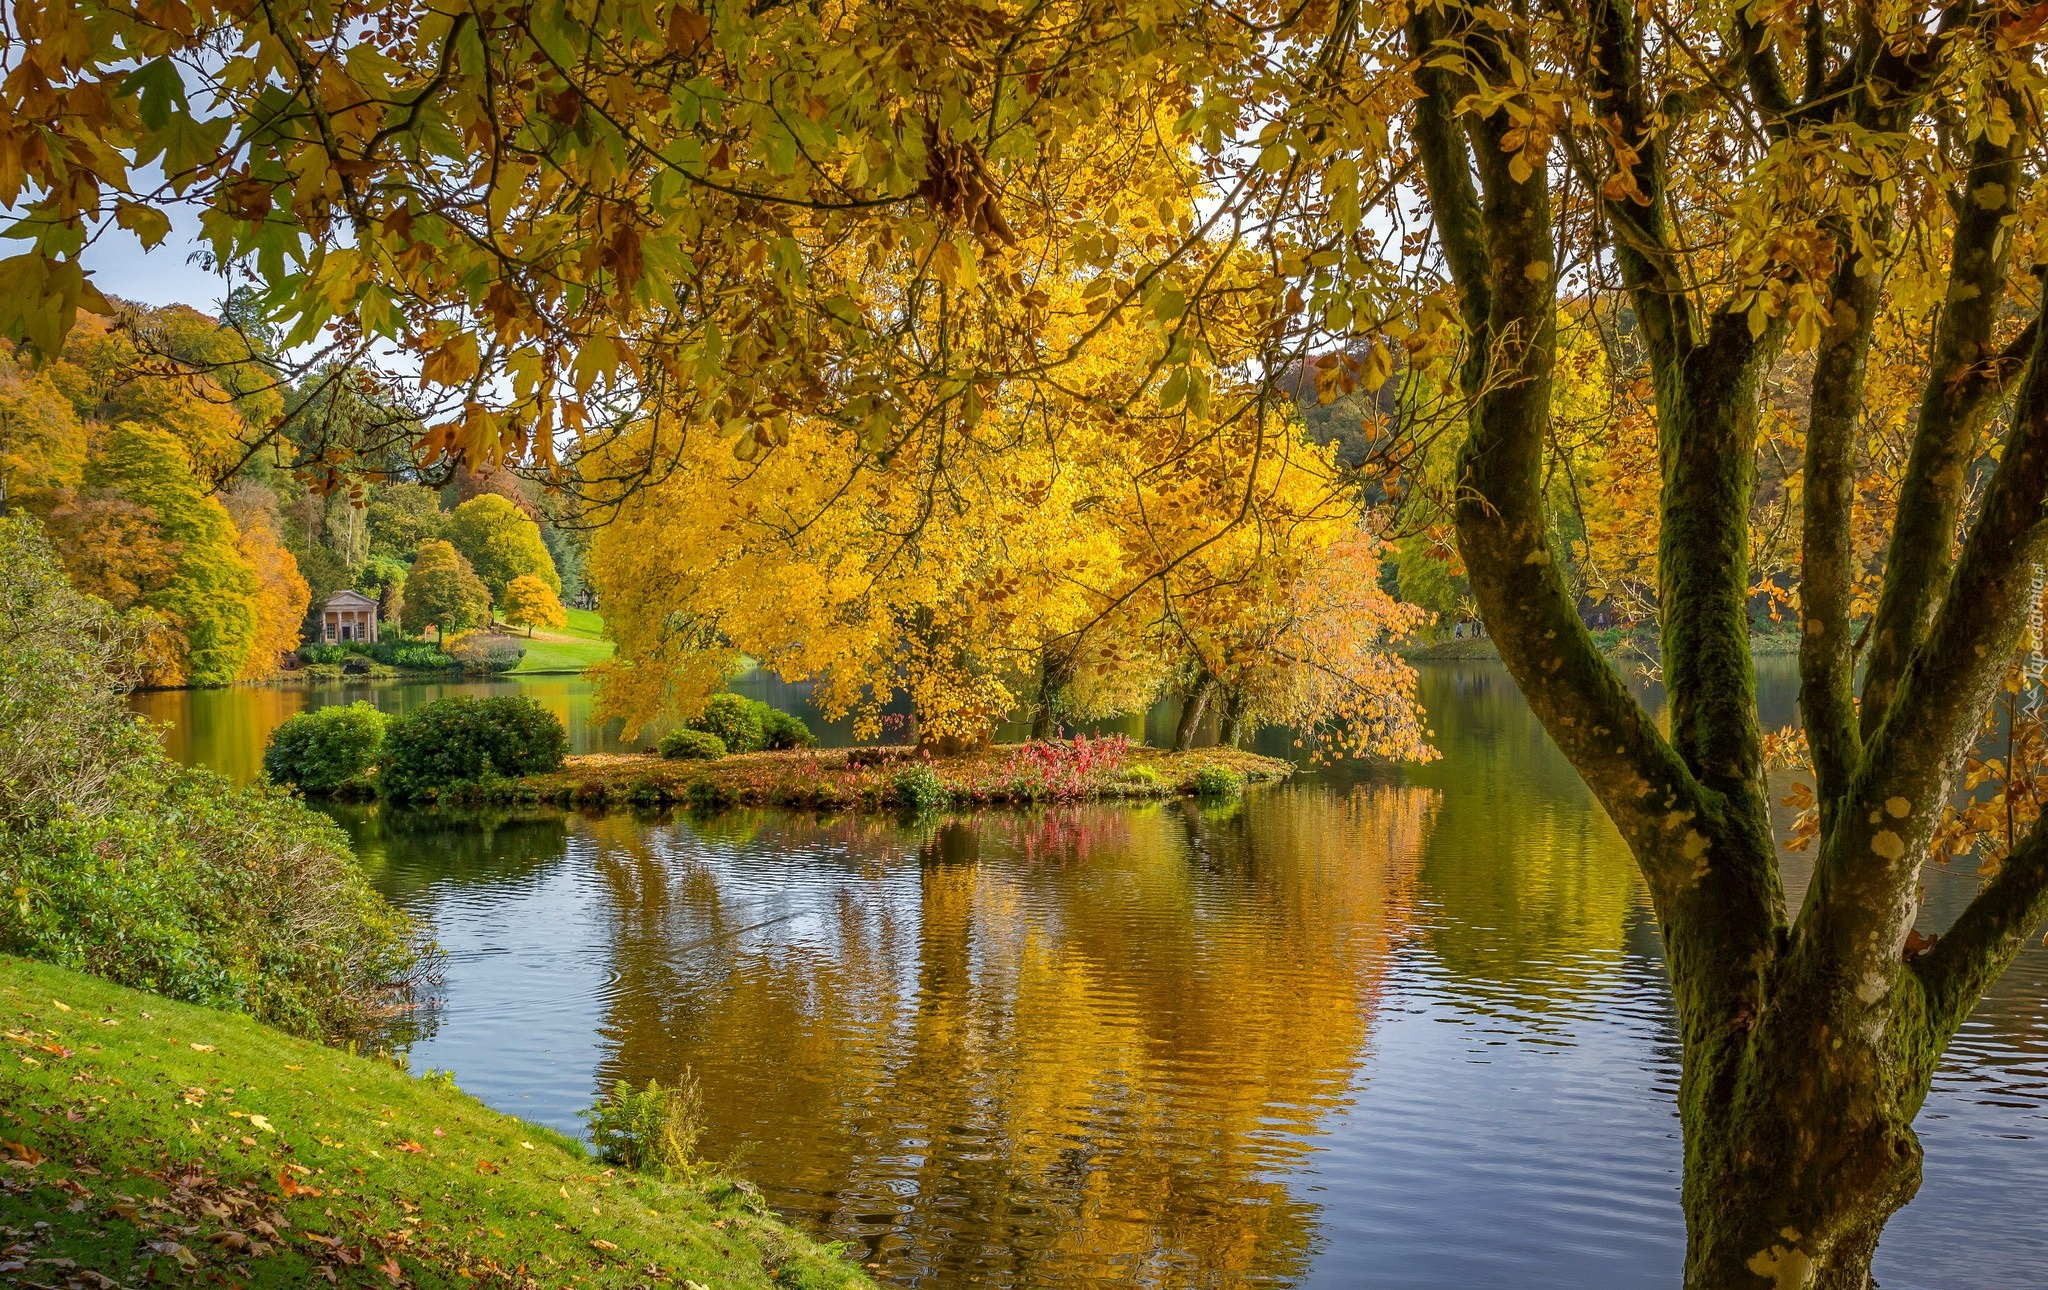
x=1395, y=1027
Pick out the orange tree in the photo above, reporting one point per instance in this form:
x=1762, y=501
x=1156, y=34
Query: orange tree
x=660, y=224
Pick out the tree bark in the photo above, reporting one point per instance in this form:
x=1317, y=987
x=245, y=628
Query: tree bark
x=1231, y=730
x=1055, y=673
x=1191, y=712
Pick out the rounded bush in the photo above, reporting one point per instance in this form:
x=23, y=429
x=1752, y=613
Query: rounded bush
x=485, y=652
x=466, y=740
x=692, y=745
x=1217, y=781
x=780, y=729
x=325, y=750
x=919, y=788
x=734, y=719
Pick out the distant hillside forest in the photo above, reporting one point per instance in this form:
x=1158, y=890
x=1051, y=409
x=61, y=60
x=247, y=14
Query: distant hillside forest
x=145, y=450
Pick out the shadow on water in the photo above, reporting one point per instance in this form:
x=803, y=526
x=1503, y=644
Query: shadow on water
x=1400, y=1027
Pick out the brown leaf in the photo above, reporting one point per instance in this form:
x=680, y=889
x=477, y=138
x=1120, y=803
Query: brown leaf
x=291, y=1186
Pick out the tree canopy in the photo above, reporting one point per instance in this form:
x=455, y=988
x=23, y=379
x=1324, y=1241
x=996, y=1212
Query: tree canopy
x=501, y=543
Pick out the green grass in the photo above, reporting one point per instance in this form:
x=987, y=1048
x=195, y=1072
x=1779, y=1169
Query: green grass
x=561, y=656
x=148, y=1140
x=571, y=655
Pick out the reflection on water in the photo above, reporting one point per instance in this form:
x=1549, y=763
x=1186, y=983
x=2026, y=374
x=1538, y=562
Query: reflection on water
x=1400, y=1029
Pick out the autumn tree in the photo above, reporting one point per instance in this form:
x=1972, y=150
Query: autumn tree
x=401, y=516
x=282, y=596
x=211, y=596
x=443, y=592
x=501, y=543
x=1861, y=146
x=42, y=440
x=531, y=603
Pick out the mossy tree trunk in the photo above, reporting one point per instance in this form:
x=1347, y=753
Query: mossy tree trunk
x=1808, y=1042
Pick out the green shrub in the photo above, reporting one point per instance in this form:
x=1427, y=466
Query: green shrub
x=1140, y=774
x=420, y=658
x=780, y=729
x=707, y=794
x=325, y=750
x=650, y=1130
x=692, y=745
x=919, y=788
x=234, y=898
x=1217, y=781
x=734, y=718
x=466, y=740
x=119, y=862
x=321, y=652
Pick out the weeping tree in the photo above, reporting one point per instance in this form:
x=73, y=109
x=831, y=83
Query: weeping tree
x=604, y=229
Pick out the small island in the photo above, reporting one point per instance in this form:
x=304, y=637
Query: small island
x=877, y=778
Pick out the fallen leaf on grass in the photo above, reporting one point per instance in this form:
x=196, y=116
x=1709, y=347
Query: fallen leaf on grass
x=408, y=1145
x=60, y=1005
x=172, y=1250
x=291, y=1186
x=202, y=1048
x=389, y=1267
x=486, y=1167
x=261, y=1123
x=23, y=1153
x=601, y=1244
x=288, y=1066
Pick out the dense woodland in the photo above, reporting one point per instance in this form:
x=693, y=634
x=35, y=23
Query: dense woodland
x=138, y=451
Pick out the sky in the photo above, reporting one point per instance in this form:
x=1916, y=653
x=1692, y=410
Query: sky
x=165, y=276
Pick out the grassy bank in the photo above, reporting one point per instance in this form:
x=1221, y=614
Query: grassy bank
x=842, y=778
x=154, y=1141
x=572, y=649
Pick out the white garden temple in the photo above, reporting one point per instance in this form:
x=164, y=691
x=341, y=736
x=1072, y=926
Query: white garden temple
x=348, y=616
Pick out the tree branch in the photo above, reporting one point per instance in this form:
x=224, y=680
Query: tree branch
x=1859, y=905
x=1643, y=244
x=1827, y=649
x=1962, y=378
x=1985, y=938
x=1447, y=170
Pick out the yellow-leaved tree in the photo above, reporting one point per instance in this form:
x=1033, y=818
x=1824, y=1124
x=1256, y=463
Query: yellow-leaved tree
x=531, y=603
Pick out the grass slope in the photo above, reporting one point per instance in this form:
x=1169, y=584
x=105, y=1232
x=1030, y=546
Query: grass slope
x=148, y=1141
x=570, y=650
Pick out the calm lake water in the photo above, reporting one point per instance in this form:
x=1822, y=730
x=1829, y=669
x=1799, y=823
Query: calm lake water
x=1404, y=1028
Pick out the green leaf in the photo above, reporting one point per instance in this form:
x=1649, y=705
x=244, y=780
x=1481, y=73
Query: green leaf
x=150, y=225
x=159, y=91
